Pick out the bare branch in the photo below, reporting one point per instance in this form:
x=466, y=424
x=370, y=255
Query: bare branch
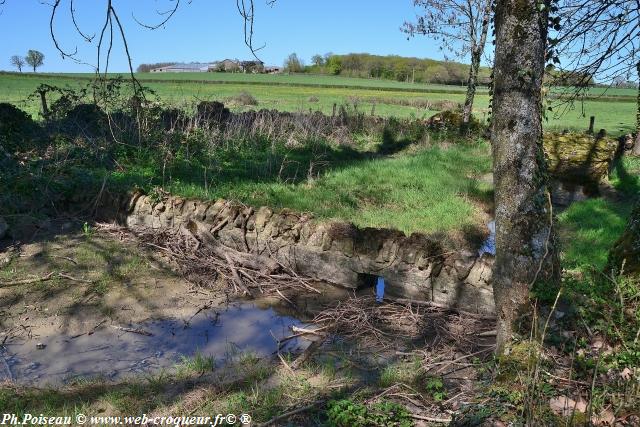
x=64, y=53
x=87, y=38
x=169, y=14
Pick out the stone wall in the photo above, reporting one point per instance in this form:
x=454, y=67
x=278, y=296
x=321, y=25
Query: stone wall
x=579, y=160
x=418, y=266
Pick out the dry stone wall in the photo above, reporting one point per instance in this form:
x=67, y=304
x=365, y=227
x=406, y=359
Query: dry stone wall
x=418, y=266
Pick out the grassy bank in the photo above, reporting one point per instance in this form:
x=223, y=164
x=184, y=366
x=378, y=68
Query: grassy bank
x=428, y=189
x=390, y=173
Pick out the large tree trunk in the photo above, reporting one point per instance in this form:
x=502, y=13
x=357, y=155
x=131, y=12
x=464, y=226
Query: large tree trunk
x=525, y=249
x=636, y=145
x=476, y=56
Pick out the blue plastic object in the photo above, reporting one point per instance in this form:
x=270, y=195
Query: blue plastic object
x=380, y=289
x=489, y=245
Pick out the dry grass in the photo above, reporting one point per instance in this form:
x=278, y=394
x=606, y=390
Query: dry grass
x=242, y=99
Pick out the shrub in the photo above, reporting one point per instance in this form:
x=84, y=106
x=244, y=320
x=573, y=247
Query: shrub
x=88, y=118
x=334, y=65
x=313, y=99
x=243, y=98
x=451, y=120
x=212, y=111
x=16, y=127
x=346, y=413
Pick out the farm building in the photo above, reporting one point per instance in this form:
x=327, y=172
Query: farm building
x=227, y=65
x=182, y=68
x=271, y=69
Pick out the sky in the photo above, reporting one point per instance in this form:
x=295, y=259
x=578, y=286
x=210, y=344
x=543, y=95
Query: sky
x=207, y=30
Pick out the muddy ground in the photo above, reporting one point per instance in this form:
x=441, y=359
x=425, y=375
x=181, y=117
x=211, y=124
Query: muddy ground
x=89, y=316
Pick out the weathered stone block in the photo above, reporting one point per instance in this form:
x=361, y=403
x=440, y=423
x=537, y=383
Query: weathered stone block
x=579, y=158
x=262, y=216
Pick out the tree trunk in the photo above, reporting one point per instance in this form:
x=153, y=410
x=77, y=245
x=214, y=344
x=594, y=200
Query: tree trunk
x=525, y=249
x=636, y=145
x=476, y=56
x=471, y=86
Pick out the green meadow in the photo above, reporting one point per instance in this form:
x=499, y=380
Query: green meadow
x=614, y=109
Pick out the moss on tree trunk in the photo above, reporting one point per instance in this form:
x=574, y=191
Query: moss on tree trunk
x=525, y=250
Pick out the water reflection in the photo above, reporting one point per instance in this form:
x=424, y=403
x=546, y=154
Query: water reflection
x=114, y=353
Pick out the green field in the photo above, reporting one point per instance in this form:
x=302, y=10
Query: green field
x=615, y=111
x=280, y=79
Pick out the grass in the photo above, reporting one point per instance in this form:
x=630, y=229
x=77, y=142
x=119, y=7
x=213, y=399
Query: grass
x=323, y=80
x=198, y=364
x=292, y=93
x=427, y=191
x=588, y=229
x=313, y=80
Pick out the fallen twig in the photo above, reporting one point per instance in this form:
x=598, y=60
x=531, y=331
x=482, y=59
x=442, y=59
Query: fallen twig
x=219, y=225
x=441, y=306
x=73, y=279
x=290, y=413
x=447, y=363
x=315, y=345
x=27, y=281
x=49, y=276
x=285, y=298
x=200, y=310
x=6, y=366
x=431, y=419
x=303, y=331
x=138, y=331
x=236, y=277
x=202, y=263
x=66, y=258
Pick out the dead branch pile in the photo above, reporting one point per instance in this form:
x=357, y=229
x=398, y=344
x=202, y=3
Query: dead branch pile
x=204, y=261
x=363, y=319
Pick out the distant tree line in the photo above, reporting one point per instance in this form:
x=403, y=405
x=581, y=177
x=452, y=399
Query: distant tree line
x=394, y=68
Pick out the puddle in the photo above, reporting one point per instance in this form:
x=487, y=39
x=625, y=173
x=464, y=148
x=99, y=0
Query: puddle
x=113, y=354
